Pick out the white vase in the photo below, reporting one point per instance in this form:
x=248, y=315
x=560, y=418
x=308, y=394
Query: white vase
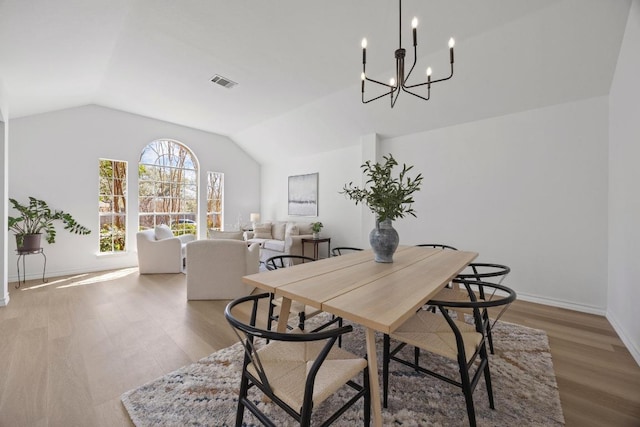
x=316, y=235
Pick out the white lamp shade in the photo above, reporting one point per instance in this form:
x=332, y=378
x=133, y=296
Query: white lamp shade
x=255, y=217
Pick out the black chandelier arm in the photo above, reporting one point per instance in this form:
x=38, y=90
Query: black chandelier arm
x=415, y=59
x=393, y=100
x=415, y=94
x=373, y=99
x=380, y=83
x=432, y=81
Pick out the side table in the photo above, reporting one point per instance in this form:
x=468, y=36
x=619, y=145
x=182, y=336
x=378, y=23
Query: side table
x=315, y=243
x=23, y=254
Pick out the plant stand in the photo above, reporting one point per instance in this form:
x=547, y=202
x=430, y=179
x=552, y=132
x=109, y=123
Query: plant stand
x=22, y=254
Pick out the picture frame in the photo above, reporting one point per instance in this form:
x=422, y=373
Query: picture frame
x=303, y=195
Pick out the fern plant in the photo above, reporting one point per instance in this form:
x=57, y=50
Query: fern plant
x=36, y=218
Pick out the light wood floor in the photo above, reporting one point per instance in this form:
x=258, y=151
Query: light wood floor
x=71, y=347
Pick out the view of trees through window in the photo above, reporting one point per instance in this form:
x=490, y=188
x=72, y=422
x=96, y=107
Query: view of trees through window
x=112, y=205
x=215, y=181
x=168, y=187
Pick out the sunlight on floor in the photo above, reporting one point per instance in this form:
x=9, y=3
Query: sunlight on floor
x=86, y=279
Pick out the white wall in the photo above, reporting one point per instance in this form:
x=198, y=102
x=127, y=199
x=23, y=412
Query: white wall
x=341, y=218
x=528, y=190
x=54, y=157
x=624, y=197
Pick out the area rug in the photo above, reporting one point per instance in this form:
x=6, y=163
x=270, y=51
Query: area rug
x=525, y=390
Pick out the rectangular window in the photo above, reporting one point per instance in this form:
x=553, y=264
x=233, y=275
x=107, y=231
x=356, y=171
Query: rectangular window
x=112, y=205
x=215, y=187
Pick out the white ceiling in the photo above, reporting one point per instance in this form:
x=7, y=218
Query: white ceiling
x=298, y=62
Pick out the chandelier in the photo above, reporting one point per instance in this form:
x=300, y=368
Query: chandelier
x=399, y=83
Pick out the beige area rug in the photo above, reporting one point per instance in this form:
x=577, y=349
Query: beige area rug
x=525, y=390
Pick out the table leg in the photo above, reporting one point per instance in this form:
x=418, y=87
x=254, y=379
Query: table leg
x=376, y=406
x=283, y=318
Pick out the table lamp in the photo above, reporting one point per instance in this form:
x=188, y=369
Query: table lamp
x=255, y=218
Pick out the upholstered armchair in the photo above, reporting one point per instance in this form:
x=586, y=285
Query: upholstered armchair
x=215, y=268
x=159, y=251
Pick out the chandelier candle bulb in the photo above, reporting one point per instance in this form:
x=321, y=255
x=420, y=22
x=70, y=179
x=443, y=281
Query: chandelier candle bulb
x=364, y=51
x=414, y=25
x=452, y=42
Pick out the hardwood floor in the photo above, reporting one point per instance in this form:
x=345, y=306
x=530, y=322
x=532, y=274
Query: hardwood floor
x=69, y=348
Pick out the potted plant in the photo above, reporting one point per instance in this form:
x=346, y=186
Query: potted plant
x=316, y=227
x=37, y=218
x=388, y=197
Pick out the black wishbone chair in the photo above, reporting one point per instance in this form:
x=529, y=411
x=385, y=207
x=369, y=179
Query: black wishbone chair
x=437, y=246
x=283, y=261
x=480, y=272
x=296, y=371
x=341, y=250
x=457, y=340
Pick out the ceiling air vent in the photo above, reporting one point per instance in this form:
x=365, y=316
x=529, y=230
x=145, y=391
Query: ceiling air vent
x=223, y=81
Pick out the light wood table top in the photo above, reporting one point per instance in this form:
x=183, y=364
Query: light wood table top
x=378, y=296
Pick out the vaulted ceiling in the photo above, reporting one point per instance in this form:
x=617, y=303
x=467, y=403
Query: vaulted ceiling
x=297, y=62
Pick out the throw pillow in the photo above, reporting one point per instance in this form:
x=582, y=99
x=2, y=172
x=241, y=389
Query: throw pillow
x=278, y=230
x=262, y=231
x=292, y=229
x=163, y=232
x=304, y=228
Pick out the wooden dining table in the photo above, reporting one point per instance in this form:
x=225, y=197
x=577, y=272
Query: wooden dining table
x=378, y=296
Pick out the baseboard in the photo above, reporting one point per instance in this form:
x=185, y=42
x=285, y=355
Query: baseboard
x=631, y=346
x=562, y=304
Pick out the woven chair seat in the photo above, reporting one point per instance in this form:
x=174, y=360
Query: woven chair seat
x=431, y=332
x=454, y=294
x=298, y=307
x=286, y=364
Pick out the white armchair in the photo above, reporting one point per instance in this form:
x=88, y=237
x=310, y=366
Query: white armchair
x=215, y=268
x=164, y=255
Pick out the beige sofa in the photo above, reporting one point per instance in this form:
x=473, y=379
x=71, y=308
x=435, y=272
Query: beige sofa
x=232, y=235
x=279, y=237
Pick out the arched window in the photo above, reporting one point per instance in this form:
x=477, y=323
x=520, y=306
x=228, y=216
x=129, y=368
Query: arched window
x=168, y=187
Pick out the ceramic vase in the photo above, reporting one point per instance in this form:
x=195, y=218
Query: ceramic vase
x=384, y=241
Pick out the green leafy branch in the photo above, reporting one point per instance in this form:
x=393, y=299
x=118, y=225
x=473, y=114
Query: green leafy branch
x=387, y=197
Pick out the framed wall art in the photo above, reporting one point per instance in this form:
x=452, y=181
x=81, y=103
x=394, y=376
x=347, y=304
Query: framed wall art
x=303, y=195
